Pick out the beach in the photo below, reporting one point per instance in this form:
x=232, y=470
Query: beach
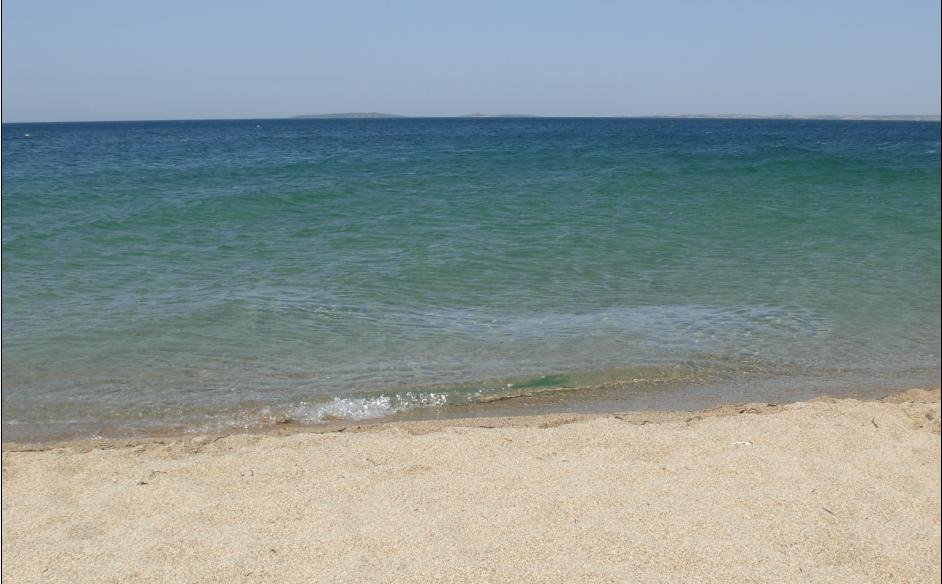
x=372, y=292
x=821, y=491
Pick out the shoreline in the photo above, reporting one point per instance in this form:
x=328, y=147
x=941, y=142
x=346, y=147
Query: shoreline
x=828, y=490
x=582, y=400
x=424, y=421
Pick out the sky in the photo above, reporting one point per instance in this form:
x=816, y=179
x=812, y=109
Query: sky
x=126, y=60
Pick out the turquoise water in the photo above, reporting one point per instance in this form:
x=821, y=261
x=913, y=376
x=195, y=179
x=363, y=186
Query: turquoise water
x=205, y=275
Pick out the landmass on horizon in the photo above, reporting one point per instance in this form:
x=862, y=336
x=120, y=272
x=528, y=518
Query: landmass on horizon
x=375, y=115
x=349, y=115
x=889, y=117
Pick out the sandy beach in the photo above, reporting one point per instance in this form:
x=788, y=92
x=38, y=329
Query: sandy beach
x=822, y=491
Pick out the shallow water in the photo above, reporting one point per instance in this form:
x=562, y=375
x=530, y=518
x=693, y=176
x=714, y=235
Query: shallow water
x=214, y=274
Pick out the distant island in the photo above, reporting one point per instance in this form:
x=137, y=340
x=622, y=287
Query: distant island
x=480, y=115
x=347, y=115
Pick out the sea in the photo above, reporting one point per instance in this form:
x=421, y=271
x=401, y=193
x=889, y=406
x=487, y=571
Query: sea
x=215, y=276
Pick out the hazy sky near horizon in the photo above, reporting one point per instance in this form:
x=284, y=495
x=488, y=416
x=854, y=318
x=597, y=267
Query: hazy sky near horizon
x=118, y=60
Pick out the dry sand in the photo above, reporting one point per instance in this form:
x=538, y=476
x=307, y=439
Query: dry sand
x=824, y=491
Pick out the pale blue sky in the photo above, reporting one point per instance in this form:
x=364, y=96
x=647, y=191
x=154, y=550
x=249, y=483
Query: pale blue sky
x=120, y=59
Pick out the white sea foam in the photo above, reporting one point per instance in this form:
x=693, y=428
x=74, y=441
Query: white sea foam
x=365, y=408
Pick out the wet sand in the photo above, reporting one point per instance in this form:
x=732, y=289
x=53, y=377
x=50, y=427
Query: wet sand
x=820, y=491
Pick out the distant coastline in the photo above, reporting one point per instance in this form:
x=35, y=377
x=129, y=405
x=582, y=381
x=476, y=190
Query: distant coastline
x=379, y=115
x=892, y=117
x=347, y=115
x=898, y=118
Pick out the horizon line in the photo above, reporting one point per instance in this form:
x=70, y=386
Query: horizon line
x=387, y=116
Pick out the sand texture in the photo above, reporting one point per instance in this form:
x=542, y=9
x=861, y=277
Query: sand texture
x=823, y=491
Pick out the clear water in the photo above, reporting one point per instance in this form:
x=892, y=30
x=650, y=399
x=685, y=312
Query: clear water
x=219, y=274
